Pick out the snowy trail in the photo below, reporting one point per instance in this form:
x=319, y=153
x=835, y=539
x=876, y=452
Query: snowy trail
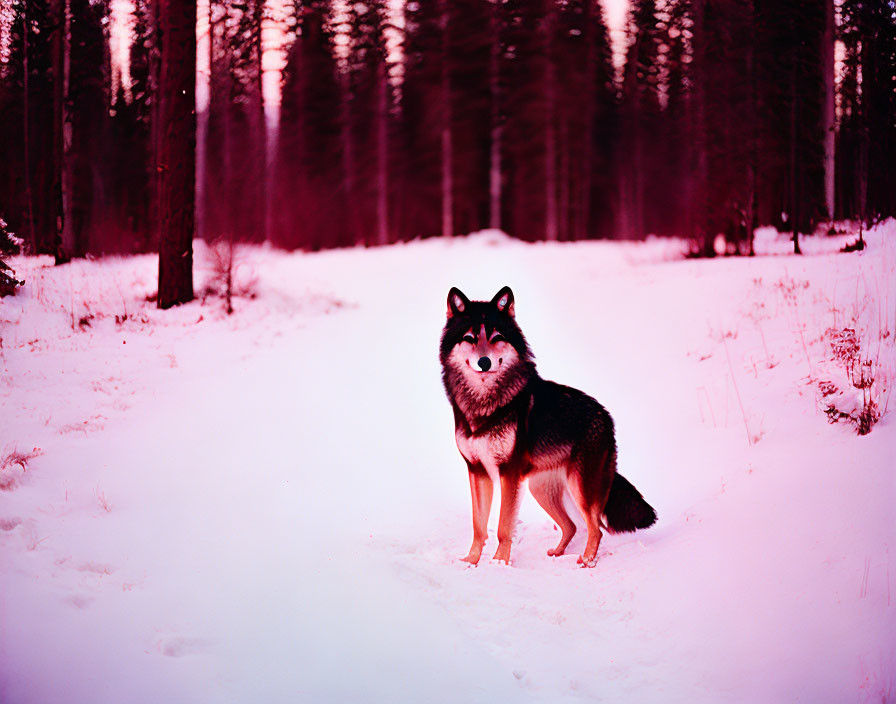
x=286, y=504
x=269, y=599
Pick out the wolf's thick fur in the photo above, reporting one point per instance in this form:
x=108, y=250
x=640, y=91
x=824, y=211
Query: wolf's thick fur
x=511, y=425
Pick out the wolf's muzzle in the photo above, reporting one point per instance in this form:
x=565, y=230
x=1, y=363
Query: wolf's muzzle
x=485, y=363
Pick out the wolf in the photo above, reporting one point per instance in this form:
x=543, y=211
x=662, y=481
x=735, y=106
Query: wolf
x=511, y=425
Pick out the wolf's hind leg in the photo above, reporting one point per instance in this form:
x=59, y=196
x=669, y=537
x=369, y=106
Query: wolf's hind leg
x=481, y=488
x=591, y=513
x=548, y=489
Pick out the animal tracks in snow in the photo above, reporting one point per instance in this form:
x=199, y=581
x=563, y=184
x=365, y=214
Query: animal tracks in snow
x=176, y=646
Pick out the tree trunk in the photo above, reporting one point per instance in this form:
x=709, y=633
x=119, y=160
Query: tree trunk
x=583, y=201
x=827, y=57
x=750, y=218
x=155, y=127
x=625, y=169
x=382, y=152
x=261, y=137
x=863, y=158
x=202, y=122
x=108, y=81
x=794, y=170
x=26, y=128
x=178, y=151
x=348, y=160
x=228, y=180
x=700, y=136
x=494, y=84
x=68, y=246
x=638, y=168
x=447, y=186
x=563, y=231
x=550, y=150
x=447, y=166
x=57, y=9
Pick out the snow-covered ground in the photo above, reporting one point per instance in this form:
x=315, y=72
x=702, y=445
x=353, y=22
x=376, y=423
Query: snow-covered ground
x=269, y=507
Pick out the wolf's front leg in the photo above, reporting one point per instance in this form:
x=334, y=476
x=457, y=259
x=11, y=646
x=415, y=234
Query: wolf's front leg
x=510, y=506
x=481, y=488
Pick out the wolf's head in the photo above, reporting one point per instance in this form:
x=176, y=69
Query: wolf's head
x=485, y=358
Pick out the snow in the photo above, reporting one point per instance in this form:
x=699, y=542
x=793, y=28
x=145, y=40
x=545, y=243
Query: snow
x=270, y=506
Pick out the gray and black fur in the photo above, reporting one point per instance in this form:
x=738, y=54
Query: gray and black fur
x=511, y=425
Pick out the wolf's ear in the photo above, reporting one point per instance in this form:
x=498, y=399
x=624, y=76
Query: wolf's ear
x=504, y=301
x=457, y=302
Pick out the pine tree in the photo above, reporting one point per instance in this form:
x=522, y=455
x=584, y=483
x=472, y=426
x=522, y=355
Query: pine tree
x=497, y=53
x=9, y=246
x=475, y=108
x=730, y=121
x=309, y=202
x=525, y=127
x=585, y=120
x=125, y=157
x=235, y=171
x=26, y=146
x=143, y=196
x=421, y=106
x=89, y=110
x=640, y=118
x=370, y=114
x=791, y=101
x=676, y=150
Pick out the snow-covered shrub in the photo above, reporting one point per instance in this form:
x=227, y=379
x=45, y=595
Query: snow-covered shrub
x=859, y=396
x=223, y=254
x=9, y=245
x=228, y=279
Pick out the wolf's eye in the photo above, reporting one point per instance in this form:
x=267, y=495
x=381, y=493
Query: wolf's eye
x=497, y=338
x=470, y=339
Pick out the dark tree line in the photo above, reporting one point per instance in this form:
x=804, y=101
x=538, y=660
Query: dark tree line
x=470, y=114
x=866, y=139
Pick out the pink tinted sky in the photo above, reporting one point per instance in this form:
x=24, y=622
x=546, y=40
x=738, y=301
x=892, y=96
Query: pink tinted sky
x=272, y=35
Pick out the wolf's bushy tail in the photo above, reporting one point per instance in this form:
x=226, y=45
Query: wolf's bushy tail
x=626, y=510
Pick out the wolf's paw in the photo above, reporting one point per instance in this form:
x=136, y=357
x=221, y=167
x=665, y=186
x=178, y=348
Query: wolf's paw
x=502, y=554
x=587, y=561
x=556, y=552
x=475, y=551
